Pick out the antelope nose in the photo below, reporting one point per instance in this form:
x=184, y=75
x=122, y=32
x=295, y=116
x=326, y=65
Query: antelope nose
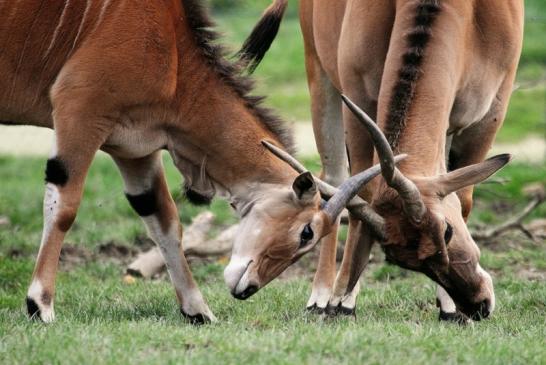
x=235, y=271
x=483, y=311
x=251, y=289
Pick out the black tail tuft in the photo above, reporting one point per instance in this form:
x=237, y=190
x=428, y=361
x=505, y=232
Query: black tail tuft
x=262, y=36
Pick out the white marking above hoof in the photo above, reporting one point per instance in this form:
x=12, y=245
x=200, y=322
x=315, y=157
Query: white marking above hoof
x=196, y=310
x=344, y=304
x=35, y=307
x=319, y=298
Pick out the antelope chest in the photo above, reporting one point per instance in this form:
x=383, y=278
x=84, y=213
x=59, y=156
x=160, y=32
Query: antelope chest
x=472, y=103
x=132, y=141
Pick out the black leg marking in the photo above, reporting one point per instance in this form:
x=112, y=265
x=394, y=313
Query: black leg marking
x=144, y=204
x=32, y=309
x=195, y=198
x=56, y=172
x=197, y=319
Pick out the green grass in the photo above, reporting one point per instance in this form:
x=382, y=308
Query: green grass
x=526, y=116
x=103, y=321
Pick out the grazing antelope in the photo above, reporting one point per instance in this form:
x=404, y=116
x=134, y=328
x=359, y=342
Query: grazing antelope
x=437, y=75
x=133, y=78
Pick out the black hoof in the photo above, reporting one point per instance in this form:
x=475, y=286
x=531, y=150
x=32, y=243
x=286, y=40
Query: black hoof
x=197, y=319
x=32, y=309
x=347, y=311
x=316, y=309
x=340, y=310
x=456, y=317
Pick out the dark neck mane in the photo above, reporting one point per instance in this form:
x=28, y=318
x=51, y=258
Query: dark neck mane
x=206, y=39
x=417, y=40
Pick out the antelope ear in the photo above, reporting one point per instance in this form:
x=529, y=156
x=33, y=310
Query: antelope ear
x=305, y=187
x=470, y=175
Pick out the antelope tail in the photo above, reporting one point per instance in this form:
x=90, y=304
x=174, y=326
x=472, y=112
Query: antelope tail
x=262, y=36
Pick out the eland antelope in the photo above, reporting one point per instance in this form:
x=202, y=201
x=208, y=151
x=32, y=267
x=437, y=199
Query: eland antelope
x=133, y=78
x=437, y=75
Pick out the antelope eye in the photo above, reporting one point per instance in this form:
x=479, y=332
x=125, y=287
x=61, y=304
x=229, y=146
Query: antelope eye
x=448, y=233
x=306, y=235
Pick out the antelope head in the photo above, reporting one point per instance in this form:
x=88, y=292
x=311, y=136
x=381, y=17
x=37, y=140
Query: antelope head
x=284, y=224
x=423, y=225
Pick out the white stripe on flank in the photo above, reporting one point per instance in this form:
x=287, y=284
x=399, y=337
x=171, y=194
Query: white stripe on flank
x=82, y=23
x=103, y=9
x=57, y=29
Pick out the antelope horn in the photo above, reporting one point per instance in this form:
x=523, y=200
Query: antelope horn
x=411, y=197
x=348, y=190
x=356, y=205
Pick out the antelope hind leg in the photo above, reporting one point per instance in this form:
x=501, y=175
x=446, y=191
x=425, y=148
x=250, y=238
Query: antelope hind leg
x=65, y=175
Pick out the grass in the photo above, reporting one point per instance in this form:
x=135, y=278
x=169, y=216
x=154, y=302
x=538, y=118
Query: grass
x=101, y=320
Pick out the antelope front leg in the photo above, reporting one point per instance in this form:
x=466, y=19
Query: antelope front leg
x=359, y=242
x=148, y=194
x=355, y=258
x=326, y=273
x=65, y=175
x=330, y=140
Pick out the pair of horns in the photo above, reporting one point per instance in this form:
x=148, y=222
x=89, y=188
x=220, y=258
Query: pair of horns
x=346, y=195
x=412, y=202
